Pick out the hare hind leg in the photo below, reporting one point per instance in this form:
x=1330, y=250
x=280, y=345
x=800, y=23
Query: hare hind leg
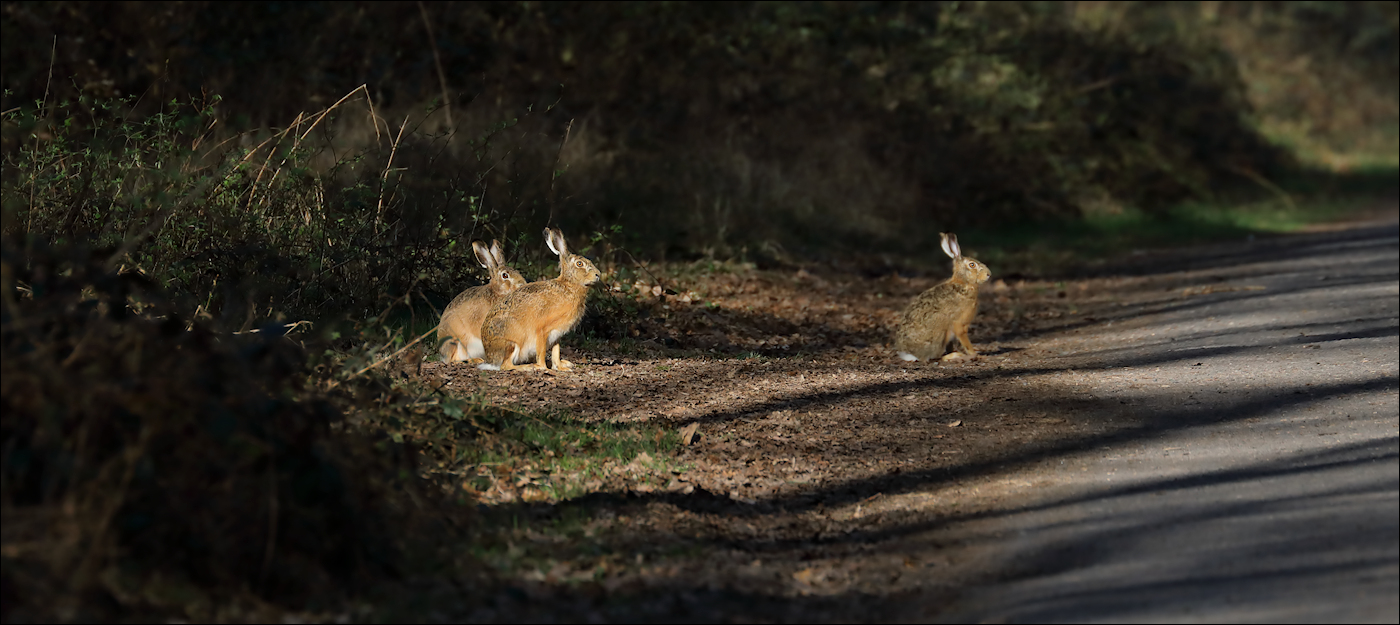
x=938, y=345
x=450, y=350
x=559, y=363
x=542, y=351
x=509, y=363
x=500, y=355
x=916, y=344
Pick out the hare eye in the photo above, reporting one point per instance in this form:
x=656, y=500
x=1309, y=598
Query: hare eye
x=505, y=276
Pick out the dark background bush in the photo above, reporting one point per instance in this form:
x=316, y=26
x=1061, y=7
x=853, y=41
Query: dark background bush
x=173, y=469
x=703, y=128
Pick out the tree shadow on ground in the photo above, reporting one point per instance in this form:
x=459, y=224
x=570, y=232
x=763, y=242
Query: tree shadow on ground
x=1336, y=518
x=1234, y=254
x=1255, y=271
x=672, y=598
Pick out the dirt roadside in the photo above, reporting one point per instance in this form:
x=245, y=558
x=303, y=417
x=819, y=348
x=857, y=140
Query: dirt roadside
x=829, y=480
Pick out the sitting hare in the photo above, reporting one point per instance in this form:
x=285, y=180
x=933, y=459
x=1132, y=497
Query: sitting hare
x=530, y=321
x=462, y=318
x=942, y=313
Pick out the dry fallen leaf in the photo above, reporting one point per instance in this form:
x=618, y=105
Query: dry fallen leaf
x=688, y=433
x=955, y=423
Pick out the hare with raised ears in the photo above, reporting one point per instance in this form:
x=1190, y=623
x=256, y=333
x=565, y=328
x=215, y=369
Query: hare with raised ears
x=461, y=320
x=942, y=313
x=528, y=323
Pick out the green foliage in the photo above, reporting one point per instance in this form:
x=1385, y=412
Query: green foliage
x=257, y=227
x=754, y=130
x=826, y=128
x=469, y=445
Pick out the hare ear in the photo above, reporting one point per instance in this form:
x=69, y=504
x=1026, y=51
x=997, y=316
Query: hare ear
x=555, y=240
x=483, y=255
x=950, y=244
x=497, y=254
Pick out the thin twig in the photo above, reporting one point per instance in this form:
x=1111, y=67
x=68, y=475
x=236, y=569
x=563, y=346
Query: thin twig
x=1264, y=182
x=554, y=172
x=643, y=267
x=289, y=326
x=53, y=56
x=322, y=114
x=383, y=360
x=33, y=180
x=204, y=135
x=1096, y=85
x=253, y=189
x=384, y=180
x=157, y=223
x=437, y=61
x=297, y=142
x=373, y=116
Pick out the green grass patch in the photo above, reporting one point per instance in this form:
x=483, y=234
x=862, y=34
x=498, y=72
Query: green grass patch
x=503, y=454
x=551, y=485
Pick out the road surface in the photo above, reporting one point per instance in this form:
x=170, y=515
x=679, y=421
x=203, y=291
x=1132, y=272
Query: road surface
x=1262, y=482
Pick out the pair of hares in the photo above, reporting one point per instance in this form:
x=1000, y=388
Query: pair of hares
x=509, y=322
x=944, y=312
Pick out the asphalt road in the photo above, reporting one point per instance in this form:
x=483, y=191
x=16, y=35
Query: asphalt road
x=1264, y=484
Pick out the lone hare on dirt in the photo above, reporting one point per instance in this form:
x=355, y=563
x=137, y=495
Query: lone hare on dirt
x=944, y=312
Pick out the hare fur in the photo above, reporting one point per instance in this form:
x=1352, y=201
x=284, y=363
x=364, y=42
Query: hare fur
x=462, y=319
x=944, y=312
x=528, y=323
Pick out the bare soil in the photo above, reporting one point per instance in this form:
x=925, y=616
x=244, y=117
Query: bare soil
x=821, y=466
x=827, y=480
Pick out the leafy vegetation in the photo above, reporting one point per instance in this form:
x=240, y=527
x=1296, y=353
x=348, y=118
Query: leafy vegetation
x=246, y=228
x=507, y=455
x=765, y=129
x=215, y=307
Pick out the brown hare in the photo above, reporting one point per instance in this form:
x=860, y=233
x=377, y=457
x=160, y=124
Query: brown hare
x=461, y=320
x=528, y=323
x=942, y=313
